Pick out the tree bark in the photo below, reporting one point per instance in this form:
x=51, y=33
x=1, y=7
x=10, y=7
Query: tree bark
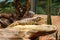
x=28, y=5
x=19, y=8
x=12, y=17
x=49, y=11
x=33, y=5
x=20, y=11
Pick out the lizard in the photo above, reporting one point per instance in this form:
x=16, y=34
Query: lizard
x=26, y=21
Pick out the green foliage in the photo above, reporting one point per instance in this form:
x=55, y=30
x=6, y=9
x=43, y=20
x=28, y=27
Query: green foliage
x=3, y=4
x=7, y=10
x=6, y=6
x=40, y=10
x=42, y=5
x=23, y=2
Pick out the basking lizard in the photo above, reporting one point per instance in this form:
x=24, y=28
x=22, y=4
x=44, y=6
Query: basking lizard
x=26, y=21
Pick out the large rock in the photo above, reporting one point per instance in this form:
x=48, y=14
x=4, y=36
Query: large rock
x=26, y=32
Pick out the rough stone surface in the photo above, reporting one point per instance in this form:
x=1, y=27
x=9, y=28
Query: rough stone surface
x=24, y=32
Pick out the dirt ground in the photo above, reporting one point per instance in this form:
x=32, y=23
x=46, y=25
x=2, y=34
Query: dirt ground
x=55, y=20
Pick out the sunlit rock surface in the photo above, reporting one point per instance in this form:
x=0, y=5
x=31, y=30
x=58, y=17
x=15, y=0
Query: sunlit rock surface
x=26, y=32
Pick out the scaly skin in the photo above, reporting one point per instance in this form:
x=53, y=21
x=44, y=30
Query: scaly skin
x=26, y=21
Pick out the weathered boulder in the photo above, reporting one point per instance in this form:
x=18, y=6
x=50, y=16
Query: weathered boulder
x=26, y=32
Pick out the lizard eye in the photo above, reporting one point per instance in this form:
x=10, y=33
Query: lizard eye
x=38, y=18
